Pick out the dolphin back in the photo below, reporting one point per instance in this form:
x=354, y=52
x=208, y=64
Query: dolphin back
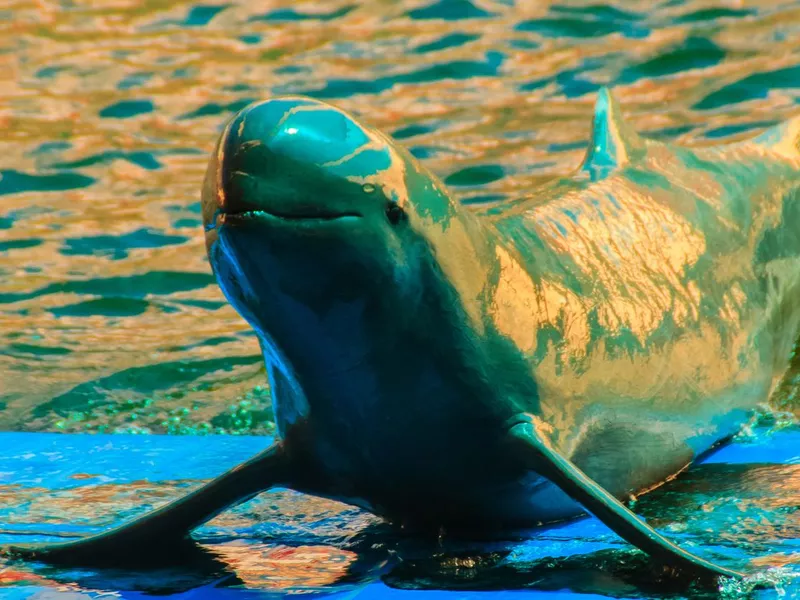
x=678, y=264
x=782, y=139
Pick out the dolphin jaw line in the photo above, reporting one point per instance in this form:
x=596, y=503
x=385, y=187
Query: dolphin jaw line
x=265, y=215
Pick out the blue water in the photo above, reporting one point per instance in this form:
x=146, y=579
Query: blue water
x=740, y=504
x=110, y=321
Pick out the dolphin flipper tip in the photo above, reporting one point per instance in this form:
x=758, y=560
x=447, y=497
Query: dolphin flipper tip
x=532, y=447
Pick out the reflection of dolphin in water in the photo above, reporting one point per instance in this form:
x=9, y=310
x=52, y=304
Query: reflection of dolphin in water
x=467, y=371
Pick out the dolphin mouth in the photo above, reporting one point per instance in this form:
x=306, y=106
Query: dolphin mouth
x=272, y=215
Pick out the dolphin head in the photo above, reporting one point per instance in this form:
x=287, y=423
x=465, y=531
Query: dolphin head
x=330, y=239
x=304, y=205
x=296, y=163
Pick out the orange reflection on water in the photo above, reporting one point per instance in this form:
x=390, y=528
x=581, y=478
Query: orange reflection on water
x=95, y=505
x=281, y=567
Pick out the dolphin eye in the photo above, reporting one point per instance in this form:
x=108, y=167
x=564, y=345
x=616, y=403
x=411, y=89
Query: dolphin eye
x=394, y=213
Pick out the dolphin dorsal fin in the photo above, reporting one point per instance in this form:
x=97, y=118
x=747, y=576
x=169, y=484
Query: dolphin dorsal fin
x=614, y=143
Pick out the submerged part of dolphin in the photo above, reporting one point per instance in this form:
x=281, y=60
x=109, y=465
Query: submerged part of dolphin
x=479, y=371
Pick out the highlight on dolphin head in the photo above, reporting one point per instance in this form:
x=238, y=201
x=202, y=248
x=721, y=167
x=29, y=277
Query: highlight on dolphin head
x=307, y=212
x=295, y=160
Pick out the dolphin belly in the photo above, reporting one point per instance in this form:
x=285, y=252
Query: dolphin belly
x=494, y=497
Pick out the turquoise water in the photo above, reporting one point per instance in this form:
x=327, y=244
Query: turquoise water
x=111, y=320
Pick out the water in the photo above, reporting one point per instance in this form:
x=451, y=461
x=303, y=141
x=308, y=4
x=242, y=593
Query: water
x=739, y=505
x=111, y=321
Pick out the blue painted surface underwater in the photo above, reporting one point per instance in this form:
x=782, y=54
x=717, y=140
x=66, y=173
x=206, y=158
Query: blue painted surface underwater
x=739, y=504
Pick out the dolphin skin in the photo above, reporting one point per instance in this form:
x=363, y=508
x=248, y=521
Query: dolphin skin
x=482, y=370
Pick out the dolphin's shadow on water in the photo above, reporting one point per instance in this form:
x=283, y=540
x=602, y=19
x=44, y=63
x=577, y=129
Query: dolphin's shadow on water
x=735, y=511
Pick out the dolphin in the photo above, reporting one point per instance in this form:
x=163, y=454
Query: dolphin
x=475, y=370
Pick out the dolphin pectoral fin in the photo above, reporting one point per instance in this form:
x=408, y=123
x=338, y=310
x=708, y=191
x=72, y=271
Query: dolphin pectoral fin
x=536, y=453
x=162, y=532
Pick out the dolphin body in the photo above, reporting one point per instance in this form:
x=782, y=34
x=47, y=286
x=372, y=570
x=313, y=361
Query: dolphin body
x=480, y=371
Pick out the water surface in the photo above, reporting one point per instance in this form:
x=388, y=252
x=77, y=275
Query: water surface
x=738, y=508
x=111, y=321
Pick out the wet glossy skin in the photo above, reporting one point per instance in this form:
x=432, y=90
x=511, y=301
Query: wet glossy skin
x=642, y=308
